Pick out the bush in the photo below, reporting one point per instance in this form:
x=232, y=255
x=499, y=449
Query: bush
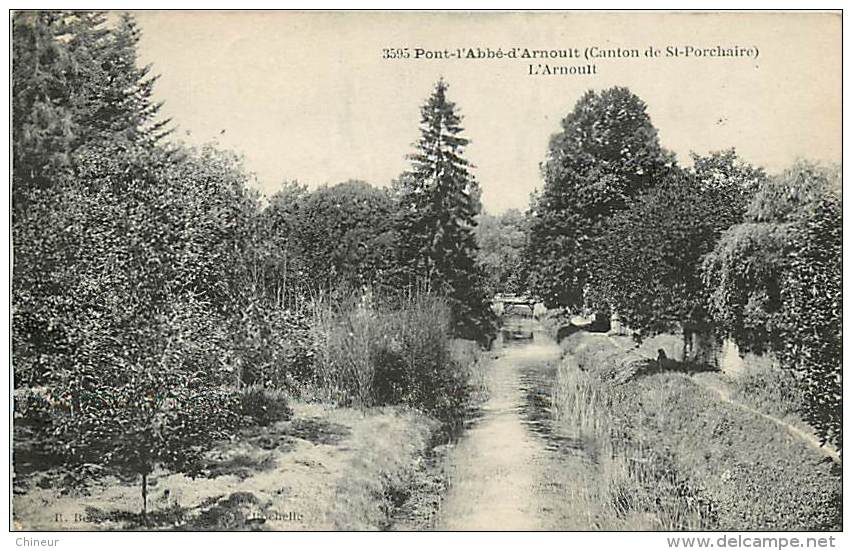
x=32, y=407
x=264, y=405
x=274, y=347
x=437, y=384
x=775, y=283
x=390, y=379
x=392, y=353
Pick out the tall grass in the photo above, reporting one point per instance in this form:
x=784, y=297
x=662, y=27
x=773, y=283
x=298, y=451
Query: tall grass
x=345, y=343
x=375, y=352
x=632, y=483
x=666, y=454
x=770, y=389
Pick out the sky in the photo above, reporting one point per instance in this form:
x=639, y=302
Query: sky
x=309, y=97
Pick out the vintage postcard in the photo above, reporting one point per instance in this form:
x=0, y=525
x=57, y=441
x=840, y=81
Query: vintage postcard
x=573, y=271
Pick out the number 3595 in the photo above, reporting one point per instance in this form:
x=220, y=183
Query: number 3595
x=395, y=53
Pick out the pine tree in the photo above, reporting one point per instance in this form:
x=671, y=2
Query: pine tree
x=439, y=200
x=117, y=94
x=75, y=83
x=42, y=112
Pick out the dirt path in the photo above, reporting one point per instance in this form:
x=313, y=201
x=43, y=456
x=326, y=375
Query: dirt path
x=711, y=383
x=808, y=438
x=500, y=468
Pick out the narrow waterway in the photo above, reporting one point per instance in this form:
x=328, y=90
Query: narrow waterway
x=505, y=471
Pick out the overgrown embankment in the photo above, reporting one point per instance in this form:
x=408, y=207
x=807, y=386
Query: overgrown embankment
x=668, y=453
x=326, y=468
x=386, y=384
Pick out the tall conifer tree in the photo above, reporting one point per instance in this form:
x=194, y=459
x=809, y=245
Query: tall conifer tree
x=439, y=200
x=75, y=83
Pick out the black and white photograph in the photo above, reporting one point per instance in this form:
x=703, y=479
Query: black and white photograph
x=426, y=271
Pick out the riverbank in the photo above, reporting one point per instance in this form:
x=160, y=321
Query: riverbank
x=673, y=455
x=324, y=469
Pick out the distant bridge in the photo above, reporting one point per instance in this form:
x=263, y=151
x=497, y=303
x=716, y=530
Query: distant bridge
x=515, y=304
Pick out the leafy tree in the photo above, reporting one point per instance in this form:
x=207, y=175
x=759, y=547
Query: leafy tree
x=346, y=236
x=654, y=247
x=813, y=298
x=774, y=284
x=745, y=271
x=74, y=85
x=155, y=408
x=744, y=275
x=272, y=342
x=438, y=201
x=606, y=153
x=280, y=263
x=122, y=297
x=723, y=172
x=501, y=240
x=332, y=241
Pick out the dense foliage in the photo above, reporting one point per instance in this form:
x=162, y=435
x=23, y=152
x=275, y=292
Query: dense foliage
x=775, y=285
x=388, y=353
x=438, y=201
x=501, y=240
x=335, y=238
x=158, y=303
x=715, y=250
x=75, y=82
x=123, y=286
x=606, y=153
x=653, y=248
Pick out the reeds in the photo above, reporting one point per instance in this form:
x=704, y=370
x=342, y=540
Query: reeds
x=379, y=352
x=631, y=482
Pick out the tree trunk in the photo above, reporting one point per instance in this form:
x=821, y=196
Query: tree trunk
x=144, y=495
x=706, y=349
x=700, y=347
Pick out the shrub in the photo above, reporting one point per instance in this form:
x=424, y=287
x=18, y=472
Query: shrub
x=273, y=347
x=775, y=284
x=264, y=405
x=437, y=384
x=32, y=407
x=396, y=352
x=390, y=379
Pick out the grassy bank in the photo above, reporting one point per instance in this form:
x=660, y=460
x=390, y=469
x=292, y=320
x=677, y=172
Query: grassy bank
x=667, y=453
x=326, y=468
x=345, y=448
